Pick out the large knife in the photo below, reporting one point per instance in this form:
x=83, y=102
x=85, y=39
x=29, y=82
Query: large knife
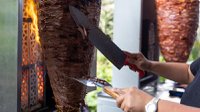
x=101, y=41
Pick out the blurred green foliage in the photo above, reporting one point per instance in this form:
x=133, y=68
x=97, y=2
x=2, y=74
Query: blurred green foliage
x=104, y=67
x=106, y=23
x=195, y=53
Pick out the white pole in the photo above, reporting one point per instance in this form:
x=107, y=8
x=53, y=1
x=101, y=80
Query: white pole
x=127, y=27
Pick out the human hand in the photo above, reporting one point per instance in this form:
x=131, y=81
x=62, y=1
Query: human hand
x=132, y=99
x=138, y=60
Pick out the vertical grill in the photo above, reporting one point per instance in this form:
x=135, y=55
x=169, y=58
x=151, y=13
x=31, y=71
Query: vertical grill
x=33, y=70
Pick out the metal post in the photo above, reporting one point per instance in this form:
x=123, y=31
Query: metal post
x=19, y=57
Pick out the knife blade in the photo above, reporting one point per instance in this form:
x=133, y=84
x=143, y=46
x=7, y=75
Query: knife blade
x=107, y=47
x=110, y=50
x=102, y=42
x=92, y=82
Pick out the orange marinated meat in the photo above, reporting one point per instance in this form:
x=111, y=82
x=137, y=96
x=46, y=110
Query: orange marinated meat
x=177, y=23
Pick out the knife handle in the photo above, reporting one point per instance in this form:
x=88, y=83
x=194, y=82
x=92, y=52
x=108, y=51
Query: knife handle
x=108, y=90
x=135, y=68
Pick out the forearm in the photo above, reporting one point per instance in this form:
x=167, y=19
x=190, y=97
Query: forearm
x=174, y=71
x=166, y=106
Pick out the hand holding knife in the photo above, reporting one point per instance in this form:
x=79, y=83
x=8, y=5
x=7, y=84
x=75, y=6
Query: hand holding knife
x=135, y=68
x=101, y=41
x=132, y=66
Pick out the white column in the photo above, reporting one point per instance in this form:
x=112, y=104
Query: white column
x=127, y=27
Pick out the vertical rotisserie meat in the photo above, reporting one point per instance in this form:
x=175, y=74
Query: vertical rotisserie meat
x=177, y=22
x=66, y=53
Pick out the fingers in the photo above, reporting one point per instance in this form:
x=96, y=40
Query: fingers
x=126, y=110
x=121, y=91
x=131, y=55
x=125, y=90
x=119, y=101
x=127, y=53
x=123, y=106
x=131, y=100
x=122, y=102
x=118, y=91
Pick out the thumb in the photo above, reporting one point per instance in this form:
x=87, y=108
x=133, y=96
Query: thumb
x=118, y=91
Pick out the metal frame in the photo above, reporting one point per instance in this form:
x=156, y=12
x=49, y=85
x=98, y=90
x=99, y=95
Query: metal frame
x=19, y=69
